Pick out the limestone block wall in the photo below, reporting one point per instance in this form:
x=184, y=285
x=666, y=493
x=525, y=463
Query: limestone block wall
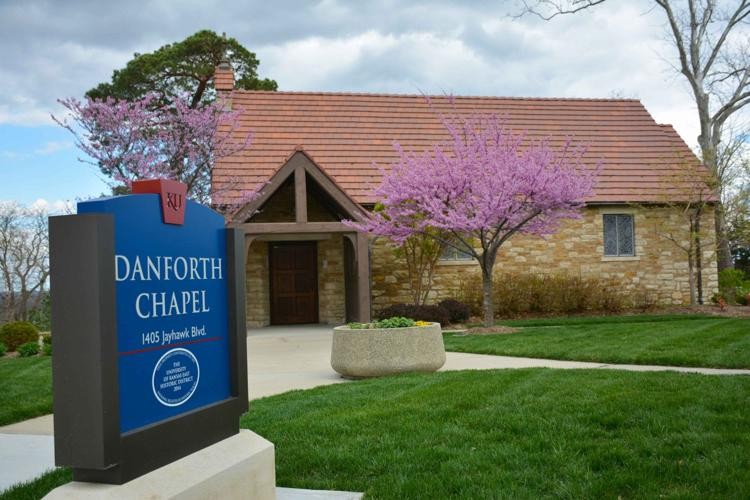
x=331, y=296
x=659, y=265
x=257, y=300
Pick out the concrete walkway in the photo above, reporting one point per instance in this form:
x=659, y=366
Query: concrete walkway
x=465, y=361
x=285, y=358
x=24, y=457
x=281, y=359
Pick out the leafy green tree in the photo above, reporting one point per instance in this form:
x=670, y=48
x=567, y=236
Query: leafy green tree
x=184, y=70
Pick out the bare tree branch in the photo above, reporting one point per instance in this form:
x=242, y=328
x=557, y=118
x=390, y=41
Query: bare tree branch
x=556, y=8
x=24, y=260
x=713, y=50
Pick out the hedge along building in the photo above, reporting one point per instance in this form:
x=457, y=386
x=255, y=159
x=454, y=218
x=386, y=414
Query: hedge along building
x=314, y=160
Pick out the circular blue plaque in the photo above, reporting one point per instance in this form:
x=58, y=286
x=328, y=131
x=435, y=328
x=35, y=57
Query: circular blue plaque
x=175, y=377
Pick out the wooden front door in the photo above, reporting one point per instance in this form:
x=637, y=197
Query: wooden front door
x=294, y=282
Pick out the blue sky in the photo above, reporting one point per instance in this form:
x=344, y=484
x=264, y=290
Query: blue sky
x=60, y=49
x=40, y=162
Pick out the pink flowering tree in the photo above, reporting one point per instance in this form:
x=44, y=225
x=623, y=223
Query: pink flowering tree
x=479, y=189
x=142, y=139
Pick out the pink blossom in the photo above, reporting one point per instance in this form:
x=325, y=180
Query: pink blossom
x=480, y=188
x=142, y=139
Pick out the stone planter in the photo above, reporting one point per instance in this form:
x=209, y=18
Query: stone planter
x=376, y=352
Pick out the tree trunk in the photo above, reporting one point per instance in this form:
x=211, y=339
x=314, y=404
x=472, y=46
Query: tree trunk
x=698, y=258
x=691, y=274
x=708, y=143
x=723, y=252
x=487, y=302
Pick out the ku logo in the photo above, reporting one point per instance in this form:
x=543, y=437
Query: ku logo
x=172, y=195
x=174, y=201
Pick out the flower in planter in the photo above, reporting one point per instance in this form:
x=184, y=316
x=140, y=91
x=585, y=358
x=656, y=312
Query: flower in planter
x=395, y=322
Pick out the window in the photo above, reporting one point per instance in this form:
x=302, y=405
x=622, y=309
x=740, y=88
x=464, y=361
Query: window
x=619, y=235
x=451, y=254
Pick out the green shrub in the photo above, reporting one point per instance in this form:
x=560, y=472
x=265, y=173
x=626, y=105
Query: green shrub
x=40, y=317
x=520, y=294
x=731, y=278
x=433, y=314
x=28, y=349
x=644, y=299
x=395, y=322
x=609, y=297
x=3, y=349
x=732, y=285
x=458, y=312
x=47, y=344
x=16, y=333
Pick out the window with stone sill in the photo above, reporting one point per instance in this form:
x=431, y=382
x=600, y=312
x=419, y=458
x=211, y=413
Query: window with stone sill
x=619, y=235
x=451, y=254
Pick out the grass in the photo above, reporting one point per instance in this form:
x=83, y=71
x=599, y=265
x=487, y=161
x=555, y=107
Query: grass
x=33, y=490
x=25, y=388
x=660, y=340
x=534, y=433
x=522, y=433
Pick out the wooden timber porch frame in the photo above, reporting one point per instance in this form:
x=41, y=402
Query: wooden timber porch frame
x=300, y=165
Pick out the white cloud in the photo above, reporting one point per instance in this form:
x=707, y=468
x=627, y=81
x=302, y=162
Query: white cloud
x=373, y=61
x=24, y=115
x=46, y=149
x=592, y=55
x=51, y=147
x=53, y=207
x=54, y=50
x=7, y=154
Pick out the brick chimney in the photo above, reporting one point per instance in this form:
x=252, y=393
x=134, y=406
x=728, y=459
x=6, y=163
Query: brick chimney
x=224, y=77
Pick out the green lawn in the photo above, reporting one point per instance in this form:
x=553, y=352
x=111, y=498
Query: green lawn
x=25, y=388
x=36, y=489
x=534, y=433
x=521, y=433
x=661, y=340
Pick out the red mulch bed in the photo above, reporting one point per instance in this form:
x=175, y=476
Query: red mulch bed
x=495, y=330
x=714, y=310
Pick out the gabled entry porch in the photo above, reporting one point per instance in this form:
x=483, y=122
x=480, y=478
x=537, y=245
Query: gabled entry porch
x=304, y=265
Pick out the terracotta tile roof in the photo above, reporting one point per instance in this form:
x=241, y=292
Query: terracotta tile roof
x=347, y=133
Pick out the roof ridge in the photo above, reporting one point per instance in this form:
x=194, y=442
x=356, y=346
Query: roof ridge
x=433, y=96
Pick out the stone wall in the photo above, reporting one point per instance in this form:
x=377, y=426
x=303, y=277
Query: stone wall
x=659, y=265
x=331, y=296
x=257, y=299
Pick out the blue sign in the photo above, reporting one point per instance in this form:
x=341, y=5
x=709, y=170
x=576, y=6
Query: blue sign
x=172, y=322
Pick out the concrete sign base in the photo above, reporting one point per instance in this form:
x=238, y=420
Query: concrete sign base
x=242, y=466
